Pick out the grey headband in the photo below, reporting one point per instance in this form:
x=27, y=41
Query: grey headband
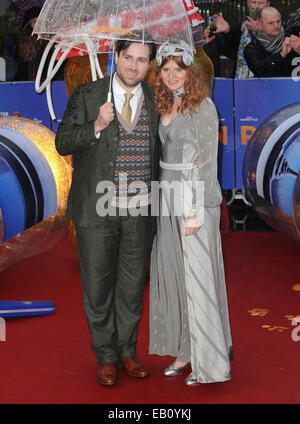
x=169, y=49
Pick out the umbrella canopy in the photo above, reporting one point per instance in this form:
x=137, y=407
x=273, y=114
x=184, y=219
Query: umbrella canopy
x=88, y=24
x=93, y=26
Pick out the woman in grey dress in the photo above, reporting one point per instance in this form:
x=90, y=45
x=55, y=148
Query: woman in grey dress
x=188, y=302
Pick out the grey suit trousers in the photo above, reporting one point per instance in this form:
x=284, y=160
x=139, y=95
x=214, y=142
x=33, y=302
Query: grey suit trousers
x=113, y=262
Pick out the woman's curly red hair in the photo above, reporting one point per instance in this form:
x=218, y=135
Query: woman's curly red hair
x=197, y=87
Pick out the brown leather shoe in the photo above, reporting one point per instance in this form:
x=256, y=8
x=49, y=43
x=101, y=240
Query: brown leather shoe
x=133, y=367
x=107, y=374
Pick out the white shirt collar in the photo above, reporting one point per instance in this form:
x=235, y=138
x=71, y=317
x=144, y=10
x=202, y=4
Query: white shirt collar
x=119, y=91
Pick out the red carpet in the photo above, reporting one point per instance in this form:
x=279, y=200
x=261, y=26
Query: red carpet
x=48, y=359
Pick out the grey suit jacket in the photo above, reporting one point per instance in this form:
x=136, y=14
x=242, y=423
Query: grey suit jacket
x=93, y=159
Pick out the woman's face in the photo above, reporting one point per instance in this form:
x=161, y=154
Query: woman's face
x=172, y=75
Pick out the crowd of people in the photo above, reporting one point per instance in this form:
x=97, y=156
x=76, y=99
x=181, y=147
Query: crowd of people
x=23, y=55
x=262, y=46
x=258, y=47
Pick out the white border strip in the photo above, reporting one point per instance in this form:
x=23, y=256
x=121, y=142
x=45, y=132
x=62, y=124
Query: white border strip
x=25, y=310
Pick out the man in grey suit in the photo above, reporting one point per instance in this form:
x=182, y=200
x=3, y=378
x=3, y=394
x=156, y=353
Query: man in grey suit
x=109, y=140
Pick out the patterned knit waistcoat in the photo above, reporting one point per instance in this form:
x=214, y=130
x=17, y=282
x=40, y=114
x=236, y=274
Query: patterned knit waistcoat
x=133, y=164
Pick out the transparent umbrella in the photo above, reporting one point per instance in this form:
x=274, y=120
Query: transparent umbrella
x=92, y=26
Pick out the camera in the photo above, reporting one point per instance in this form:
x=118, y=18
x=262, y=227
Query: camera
x=253, y=13
x=212, y=23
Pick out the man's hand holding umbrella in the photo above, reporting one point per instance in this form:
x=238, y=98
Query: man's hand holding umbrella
x=105, y=117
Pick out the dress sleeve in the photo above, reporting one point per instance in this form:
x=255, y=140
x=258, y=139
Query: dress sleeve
x=206, y=188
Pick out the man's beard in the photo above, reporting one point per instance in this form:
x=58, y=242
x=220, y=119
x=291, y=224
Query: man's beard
x=129, y=83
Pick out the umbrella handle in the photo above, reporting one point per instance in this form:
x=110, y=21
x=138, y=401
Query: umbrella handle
x=41, y=66
x=39, y=88
x=109, y=96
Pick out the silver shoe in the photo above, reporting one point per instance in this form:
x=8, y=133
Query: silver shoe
x=172, y=370
x=191, y=381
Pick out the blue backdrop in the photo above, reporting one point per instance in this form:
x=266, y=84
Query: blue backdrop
x=242, y=105
x=255, y=100
x=20, y=98
x=222, y=96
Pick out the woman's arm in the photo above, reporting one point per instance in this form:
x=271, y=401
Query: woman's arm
x=205, y=187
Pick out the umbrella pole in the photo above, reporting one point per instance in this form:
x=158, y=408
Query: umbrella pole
x=109, y=97
x=111, y=72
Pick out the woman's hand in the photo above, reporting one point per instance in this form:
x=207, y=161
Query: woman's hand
x=192, y=226
x=196, y=162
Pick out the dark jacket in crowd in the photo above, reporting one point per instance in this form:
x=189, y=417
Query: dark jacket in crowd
x=213, y=50
x=265, y=64
x=231, y=44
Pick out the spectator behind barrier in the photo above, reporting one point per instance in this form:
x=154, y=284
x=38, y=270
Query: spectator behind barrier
x=271, y=53
x=213, y=47
x=292, y=23
x=7, y=52
x=31, y=49
x=292, y=30
x=236, y=37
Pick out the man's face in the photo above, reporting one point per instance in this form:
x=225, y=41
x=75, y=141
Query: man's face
x=270, y=24
x=132, y=65
x=259, y=4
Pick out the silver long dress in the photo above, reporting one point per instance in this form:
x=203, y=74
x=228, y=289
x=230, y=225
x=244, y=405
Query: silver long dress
x=188, y=301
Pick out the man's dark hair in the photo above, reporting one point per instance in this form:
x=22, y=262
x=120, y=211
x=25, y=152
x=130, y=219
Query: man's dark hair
x=124, y=45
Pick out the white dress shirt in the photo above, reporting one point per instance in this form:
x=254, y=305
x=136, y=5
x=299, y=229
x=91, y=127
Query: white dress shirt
x=119, y=98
